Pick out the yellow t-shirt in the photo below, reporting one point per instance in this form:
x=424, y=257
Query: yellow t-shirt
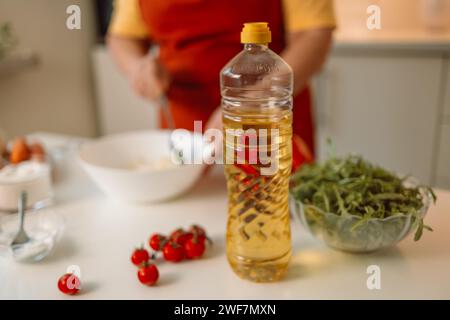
x=299, y=15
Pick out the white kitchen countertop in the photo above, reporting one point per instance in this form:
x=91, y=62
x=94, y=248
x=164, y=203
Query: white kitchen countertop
x=100, y=236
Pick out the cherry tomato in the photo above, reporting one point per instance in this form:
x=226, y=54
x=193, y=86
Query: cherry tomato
x=69, y=284
x=148, y=274
x=175, y=234
x=157, y=241
x=199, y=233
x=173, y=252
x=184, y=238
x=180, y=236
x=194, y=248
x=139, y=256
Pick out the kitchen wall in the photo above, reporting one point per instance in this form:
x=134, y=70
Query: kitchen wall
x=56, y=95
x=399, y=15
x=396, y=14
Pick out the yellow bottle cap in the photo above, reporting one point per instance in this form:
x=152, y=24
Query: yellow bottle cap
x=256, y=32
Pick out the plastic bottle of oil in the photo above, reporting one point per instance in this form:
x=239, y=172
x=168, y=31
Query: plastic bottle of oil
x=256, y=88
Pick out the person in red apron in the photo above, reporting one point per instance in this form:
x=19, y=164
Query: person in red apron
x=196, y=38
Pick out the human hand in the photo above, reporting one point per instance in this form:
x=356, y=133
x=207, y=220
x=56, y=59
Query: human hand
x=148, y=78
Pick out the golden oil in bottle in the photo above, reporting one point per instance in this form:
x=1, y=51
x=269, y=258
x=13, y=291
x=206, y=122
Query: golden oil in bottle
x=258, y=231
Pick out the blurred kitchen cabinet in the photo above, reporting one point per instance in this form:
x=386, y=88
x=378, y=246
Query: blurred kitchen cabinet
x=443, y=168
x=443, y=161
x=119, y=109
x=383, y=105
x=447, y=90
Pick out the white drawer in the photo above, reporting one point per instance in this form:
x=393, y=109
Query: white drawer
x=443, y=169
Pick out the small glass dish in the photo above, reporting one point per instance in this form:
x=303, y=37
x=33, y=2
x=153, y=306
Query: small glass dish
x=44, y=227
x=339, y=232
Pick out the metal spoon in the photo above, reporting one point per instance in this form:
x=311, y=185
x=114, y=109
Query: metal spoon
x=164, y=103
x=21, y=236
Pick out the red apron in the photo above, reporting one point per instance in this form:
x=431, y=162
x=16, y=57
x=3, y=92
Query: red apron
x=197, y=38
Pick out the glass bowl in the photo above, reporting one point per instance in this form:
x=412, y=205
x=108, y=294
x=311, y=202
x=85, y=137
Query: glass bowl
x=44, y=228
x=341, y=233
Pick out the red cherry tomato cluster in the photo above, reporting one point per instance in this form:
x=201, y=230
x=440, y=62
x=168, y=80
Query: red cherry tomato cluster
x=179, y=245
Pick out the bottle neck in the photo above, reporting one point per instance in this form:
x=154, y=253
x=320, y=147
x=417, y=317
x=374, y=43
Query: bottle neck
x=255, y=46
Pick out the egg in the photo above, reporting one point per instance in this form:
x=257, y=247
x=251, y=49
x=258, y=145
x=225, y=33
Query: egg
x=37, y=151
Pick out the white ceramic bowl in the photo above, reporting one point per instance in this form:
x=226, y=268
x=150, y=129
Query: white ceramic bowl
x=115, y=164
